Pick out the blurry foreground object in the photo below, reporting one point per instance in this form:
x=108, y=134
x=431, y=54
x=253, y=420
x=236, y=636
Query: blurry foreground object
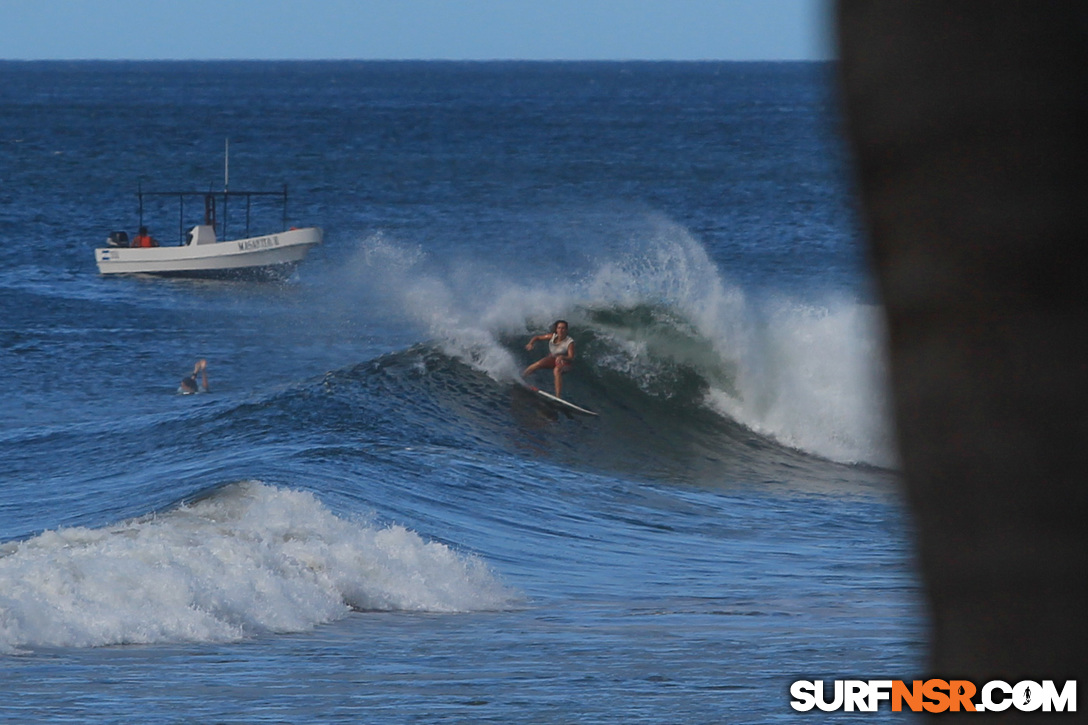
x=968, y=126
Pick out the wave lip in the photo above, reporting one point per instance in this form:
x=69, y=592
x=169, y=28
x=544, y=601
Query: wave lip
x=249, y=559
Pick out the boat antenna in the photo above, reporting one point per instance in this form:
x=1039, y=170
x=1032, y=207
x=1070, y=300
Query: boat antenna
x=226, y=165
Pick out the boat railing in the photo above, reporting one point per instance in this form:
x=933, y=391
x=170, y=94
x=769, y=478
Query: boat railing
x=213, y=202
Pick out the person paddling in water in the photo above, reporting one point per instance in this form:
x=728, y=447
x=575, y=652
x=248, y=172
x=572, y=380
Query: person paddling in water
x=560, y=354
x=188, y=385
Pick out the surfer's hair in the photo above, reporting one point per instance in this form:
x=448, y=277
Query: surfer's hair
x=557, y=323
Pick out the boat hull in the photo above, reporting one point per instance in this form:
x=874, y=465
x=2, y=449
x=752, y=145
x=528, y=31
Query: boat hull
x=270, y=255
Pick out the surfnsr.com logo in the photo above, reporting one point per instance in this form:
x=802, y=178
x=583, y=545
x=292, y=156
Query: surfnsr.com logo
x=934, y=696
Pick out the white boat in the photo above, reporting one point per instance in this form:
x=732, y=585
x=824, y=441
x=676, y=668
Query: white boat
x=201, y=253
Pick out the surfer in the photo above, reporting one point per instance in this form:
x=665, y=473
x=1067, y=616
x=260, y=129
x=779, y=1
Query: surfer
x=560, y=354
x=188, y=385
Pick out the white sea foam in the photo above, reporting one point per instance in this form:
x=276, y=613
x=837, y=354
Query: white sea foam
x=809, y=374
x=250, y=559
x=812, y=377
x=463, y=307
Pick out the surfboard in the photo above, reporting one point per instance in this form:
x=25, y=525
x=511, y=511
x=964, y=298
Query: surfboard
x=566, y=404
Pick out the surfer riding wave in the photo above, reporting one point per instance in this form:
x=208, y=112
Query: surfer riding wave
x=560, y=354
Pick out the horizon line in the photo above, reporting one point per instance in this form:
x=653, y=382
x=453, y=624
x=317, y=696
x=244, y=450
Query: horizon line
x=416, y=60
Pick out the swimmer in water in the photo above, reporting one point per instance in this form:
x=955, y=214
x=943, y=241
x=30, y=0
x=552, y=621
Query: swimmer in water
x=189, y=385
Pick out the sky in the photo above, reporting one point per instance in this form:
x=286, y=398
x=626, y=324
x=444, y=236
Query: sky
x=414, y=29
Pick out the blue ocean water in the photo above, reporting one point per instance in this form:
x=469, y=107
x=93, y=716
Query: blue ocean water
x=366, y=520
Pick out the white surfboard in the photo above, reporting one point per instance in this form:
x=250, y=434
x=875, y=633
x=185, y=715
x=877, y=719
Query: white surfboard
x=560, y=402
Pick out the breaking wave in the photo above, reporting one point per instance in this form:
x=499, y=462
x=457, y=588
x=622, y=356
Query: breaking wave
x=247, y=559
x=656, y=312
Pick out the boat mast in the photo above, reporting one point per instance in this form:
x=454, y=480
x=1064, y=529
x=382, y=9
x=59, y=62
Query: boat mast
x=226, y=182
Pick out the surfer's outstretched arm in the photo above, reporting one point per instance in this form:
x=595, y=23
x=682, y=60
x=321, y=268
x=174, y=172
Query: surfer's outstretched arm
x=201, y=369
x=537, y=338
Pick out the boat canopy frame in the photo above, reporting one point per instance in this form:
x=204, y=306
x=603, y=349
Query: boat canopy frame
x=212, y=201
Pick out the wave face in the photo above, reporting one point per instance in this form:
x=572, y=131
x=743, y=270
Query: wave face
x=657, y=325
x=245, y=559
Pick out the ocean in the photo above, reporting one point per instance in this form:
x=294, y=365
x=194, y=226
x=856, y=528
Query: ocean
x=366, y=519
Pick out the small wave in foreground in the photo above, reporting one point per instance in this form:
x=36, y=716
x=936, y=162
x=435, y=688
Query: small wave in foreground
x=245, y=560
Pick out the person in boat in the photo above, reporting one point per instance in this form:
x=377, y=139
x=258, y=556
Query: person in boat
x=560, y=354
x=189, y=385
x=144, y=239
